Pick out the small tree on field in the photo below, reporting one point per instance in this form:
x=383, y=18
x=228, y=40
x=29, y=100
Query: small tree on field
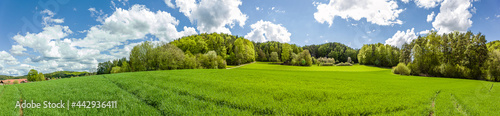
x=41, y=77
x=32, y=75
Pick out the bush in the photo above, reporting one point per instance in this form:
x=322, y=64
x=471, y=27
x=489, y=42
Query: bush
x=190, y=62
x=170, y=57
x=16, y=82
x=210, y=60
x=116, y=69
x=302, y=59
x=327, y=64
x=274, y=57
x=326, y=60
x=314, y=60
x=344, y=64
x=402, y=69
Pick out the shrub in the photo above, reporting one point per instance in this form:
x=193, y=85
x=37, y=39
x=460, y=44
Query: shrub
x=344, y=64
x=402, y=69
x=274, y=57
x=326, y=60
x=115, y=69
x=314, y=60
x=222, y=63
x=170, y=57
x=190, y=61
x=16, y=82
x=327, y=64
x=302, y=59
x=210, y=60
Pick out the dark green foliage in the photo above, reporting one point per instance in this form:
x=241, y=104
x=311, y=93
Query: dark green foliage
x=274, y=57
x=32, y=75
x=401, y=69
x=169, y=57
x=405, y=53
x=242, y=52
x=104, y=67
x=210, y=60
x=138, y=57
x=493, y=45
x=212, y=51
x=5, y=77
x=40, y=77
x=65, y=74
x=286, y=52
x=494, y=66
x=302, y=59
x=379, y=55
x=115, y=69
x=190, y=62
x=234, y=49
x=263, y=51
x=125, y=66
x=455, y=55
x=334, y=50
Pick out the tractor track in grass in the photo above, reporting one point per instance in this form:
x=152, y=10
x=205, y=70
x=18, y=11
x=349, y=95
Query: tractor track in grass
x=137, y=97
x=20, y=101
x=433, y=104
x=457, y=106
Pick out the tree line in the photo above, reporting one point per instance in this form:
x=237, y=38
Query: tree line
x=215, y=51
x=203, y=51
x=379, y=55
x=338, y=51
x=454, y=55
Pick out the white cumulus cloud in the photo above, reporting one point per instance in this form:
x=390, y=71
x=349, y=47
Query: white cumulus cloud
x=454, y=15
x=427, y=3
x=263, y=31
x=401, y=37
x=7, y=58
x=17, y=49
x=430, y=17
x=213, y=15
x=380, y=12
x=169, y=3
x=133, y=24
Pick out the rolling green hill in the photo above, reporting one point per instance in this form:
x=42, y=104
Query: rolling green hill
x=262, y=89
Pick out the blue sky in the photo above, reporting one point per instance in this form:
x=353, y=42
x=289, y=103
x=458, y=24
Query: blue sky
x=54, y=35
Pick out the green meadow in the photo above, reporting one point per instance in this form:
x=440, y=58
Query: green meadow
x=262, y=89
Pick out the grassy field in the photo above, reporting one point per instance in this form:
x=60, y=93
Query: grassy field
x=263, y=89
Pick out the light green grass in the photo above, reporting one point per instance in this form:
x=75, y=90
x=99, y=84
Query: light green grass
x=9, y=94
x=268, y=89
x=94, y=88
